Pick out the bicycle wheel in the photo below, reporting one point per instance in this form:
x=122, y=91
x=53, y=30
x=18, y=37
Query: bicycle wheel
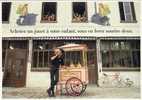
x=129, y=83
x=74, y=86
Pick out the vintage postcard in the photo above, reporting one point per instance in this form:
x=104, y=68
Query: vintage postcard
x=71, y=49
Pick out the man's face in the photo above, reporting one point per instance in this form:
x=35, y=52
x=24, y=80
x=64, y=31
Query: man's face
x=57, y=51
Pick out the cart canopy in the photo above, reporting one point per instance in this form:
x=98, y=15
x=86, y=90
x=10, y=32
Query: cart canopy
x=74, y=47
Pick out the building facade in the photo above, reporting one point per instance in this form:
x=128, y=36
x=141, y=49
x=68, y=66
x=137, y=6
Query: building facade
x=110, y=29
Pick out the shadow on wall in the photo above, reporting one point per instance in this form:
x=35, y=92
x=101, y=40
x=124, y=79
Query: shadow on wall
x=96, y=18
x=29, y=19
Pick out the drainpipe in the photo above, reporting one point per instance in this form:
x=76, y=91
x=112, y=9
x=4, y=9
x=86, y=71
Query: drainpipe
x=29, y=62
x=99, y=60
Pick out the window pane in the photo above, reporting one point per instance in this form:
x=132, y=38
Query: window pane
x=105, y=59
x=73, y=57
x=35, y=59
x=136, y=58
x=128, y=13
x=115, y=61
x=115, y=45
x=49, y=11
x=5, y=11
x=124, y=59
x=125, y=45
x=79, y=12
x=105, y=45
x=91, y=60
x=133, y=11
x=121, y=9
x=40, y=59
x=135, y=45
x=47, y=59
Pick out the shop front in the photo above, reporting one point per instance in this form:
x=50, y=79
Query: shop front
x=26, y=62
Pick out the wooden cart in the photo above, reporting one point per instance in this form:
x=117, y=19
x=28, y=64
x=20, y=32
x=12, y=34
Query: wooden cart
x=73, y=76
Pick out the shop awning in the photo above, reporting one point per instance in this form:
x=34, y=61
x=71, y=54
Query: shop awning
x=71, y=38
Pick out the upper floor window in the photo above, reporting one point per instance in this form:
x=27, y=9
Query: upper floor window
x=49, y=12
x=127, y=12
x=79, y=12
x=6, y=11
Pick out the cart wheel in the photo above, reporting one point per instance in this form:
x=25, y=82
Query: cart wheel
x=74, y=86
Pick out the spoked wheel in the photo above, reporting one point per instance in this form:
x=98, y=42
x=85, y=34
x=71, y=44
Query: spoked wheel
x=74, y=86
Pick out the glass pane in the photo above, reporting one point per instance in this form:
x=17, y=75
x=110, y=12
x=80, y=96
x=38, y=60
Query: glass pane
x=49, y=11
x=125, y=59
x=115, y=45
x=105, y=59
x=105, y=45
x=128, y=13
x=135, y=44
x=115, y=59
x=73, y=57
x=136, y=58
x=46, y=59
x=125, y=45
x=91, y=60
x=133, y=11
x=40, y=59
x=79, y=12
x=35, y=59
x=121, y=10
x=6, y=11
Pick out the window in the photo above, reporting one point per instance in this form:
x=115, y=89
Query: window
x=41, y=55
x=79, y=12
x=49, y=12
x=12, y=44
x=127, y=12
x=91, y=58
x=5, y=11
x=42, y=52
x=120, y=54
x=41, y=59
x=73, y=57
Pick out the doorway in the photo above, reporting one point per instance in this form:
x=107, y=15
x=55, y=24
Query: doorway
x=15, y=68
x=92, y=66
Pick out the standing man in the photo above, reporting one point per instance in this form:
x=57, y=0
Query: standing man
x=56, y=61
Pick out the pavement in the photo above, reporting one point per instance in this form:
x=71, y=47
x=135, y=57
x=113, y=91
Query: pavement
x=91, y=92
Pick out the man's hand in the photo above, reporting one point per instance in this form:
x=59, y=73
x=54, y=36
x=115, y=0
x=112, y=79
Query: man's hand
x=63, y=66
x=52, y=58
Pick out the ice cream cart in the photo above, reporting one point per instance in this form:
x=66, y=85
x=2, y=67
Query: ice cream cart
x=73, y=76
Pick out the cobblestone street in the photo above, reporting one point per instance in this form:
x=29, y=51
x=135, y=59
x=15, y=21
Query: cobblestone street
x=91, y=92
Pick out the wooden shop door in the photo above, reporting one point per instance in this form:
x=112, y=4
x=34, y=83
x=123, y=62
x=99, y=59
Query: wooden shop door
x=15, y=68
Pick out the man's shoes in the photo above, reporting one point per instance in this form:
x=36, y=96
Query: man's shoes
x=49, y=93
x=52, y=95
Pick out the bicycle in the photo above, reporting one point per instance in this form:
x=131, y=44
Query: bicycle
x=116, y=81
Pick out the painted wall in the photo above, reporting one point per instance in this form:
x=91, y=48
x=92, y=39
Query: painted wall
x=64, y=20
